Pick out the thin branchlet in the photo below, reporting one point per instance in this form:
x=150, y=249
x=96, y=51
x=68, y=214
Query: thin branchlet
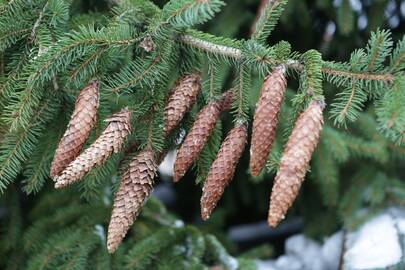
x=211, y=47
x=237, y=54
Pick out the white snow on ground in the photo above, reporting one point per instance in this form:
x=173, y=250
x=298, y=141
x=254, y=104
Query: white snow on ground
x=306, y=250
x=303, y=253
x=265, y=265
x=374, y=245
x=288, y=262
x=331, y=251
x=401, y=226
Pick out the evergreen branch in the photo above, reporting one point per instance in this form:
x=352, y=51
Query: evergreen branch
x=9, y=38
x=235, y=53
x=142, y=254
x=348, y=104
x=58, y=52
x=18, y=146
x=361, y=76
x=139, y=77
x=378, y=48
x=211, y=47
x=397, y=61
x=186, y=13
x=345, y=109
x=37, y=23
x=38, y=174
x=91, y=58
x=240, y=104
x=43, y=68
x=268, y=19
x=311, y=74
x=391, y=113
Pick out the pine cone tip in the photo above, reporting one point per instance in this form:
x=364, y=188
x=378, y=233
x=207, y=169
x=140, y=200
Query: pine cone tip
x=177, y=176
x=59, y=184
x=275, y=217
x=205, y=213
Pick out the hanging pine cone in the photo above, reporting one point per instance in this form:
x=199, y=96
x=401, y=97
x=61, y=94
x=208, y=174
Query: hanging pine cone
x=199, y=134
x=295, y=160
x=135, y=187
x=222, y=169
x=182, y=97
x=78, y=130
x=111, y=140
x=226, y=100
x=266, y=119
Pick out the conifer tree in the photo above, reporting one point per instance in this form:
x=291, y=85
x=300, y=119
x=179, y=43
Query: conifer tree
x=93, y=94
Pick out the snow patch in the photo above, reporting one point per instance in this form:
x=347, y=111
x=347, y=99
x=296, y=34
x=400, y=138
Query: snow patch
x=306, y=250
x=331, y=251
x=374, y=245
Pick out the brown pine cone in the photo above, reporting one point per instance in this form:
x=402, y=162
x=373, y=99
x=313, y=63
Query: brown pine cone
x=266, y=119
x=295, y=161
x=111, y=140
x=135, y=187
x=199, y=133
x=79, y=127
x=226, y=100
x=182, y=97
x=222, y=169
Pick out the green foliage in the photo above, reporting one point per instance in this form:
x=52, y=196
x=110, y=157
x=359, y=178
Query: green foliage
x=64, y=233
x=17, y=146
x=311, y=77
x=345, y=18
x=240, y=104
x=268, y=19
x=50, y=49
x=391, y=112
x=378, y=48
x=187, y=13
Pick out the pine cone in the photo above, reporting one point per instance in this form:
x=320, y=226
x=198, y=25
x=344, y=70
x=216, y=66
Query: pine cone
x=182, y=97
x=266, y=119
x=135, y=187
x=222, y=169
x=295, y=160
x=199, y=134
x=111, y=140
x=226, y=100
x=79, y=127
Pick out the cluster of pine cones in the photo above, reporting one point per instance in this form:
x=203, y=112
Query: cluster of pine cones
x=70, y=165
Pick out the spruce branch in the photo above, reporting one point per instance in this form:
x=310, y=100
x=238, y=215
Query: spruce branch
x=236, y=53
x=186, y=13
x=268, y=19
x=361, y=76
x=211, y=47
x=37, y=23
